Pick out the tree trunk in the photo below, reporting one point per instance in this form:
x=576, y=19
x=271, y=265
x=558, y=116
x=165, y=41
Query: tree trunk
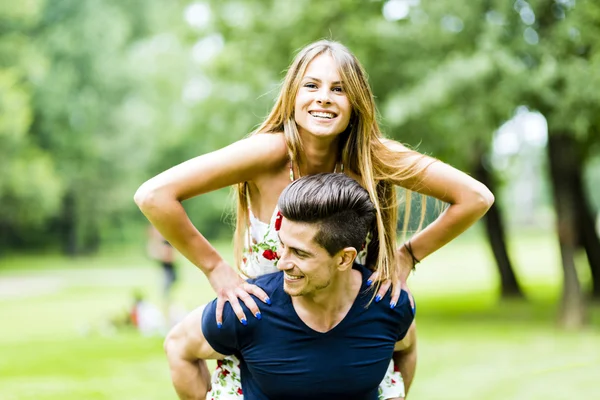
x=68, y=226
x=586, y=228
x=91, y=238
x=562, y=155
x=494, y=228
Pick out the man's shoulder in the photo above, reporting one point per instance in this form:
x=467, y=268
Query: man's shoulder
x=397, y=318
x=365, y=272
x=268, y=282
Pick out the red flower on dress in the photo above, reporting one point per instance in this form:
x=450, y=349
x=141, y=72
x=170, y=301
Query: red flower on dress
x=225, y=372
x=270, y=254
x=278, y=219
x=396, y=368
x=393, y=382
x=219, y=363
x=244, y=260
x=240, y=391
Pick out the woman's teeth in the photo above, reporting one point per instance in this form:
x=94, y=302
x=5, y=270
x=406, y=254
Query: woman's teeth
x=319, y=114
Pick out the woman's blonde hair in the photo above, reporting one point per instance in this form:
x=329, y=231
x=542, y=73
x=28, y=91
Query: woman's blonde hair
x=361, y=147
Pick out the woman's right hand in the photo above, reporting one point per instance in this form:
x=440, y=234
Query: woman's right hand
x=230, y=287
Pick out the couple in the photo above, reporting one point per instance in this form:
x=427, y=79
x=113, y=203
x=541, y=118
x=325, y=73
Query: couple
x=322, y=337
x=324, y=120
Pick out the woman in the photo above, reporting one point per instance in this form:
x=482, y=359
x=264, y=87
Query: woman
x=324, y=120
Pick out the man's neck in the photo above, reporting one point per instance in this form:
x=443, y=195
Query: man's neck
x=327, y=307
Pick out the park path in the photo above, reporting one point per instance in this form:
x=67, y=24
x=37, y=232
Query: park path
x=22, y=285
x=25, y=286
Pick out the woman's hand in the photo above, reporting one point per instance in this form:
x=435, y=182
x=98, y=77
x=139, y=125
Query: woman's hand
x=230, y=287
x=405, y=262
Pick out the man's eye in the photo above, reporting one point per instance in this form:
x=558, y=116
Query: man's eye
x=298, y=254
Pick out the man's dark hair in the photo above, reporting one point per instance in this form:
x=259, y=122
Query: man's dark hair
x=337, y=203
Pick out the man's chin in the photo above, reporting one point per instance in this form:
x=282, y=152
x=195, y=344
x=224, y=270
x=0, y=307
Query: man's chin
x=292, y=292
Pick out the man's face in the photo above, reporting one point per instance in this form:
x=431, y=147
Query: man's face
x=307, y=267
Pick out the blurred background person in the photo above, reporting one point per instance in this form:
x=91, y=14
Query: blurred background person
x=160, y=250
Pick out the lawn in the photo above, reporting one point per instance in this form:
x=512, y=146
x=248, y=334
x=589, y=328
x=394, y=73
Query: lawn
x=56, y=343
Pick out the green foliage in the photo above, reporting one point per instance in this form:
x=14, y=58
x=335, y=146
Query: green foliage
x=98, y=96
x=76, y=113
x=27, y=169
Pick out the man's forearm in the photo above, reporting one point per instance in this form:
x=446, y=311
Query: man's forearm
x=405, y=357
x=190, y=379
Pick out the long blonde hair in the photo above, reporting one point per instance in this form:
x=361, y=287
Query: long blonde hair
x=361, y=147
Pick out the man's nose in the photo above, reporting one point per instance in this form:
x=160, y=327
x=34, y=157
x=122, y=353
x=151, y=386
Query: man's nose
x=284, y=264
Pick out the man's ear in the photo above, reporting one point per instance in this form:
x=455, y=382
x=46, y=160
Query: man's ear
x=346, y=257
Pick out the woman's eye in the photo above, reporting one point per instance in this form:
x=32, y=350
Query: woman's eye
x=310, y=86
x=338, y=89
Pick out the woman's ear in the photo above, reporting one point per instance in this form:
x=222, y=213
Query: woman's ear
x=346, y=257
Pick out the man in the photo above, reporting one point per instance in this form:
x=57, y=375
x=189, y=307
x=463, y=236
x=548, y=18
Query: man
x=323, y=337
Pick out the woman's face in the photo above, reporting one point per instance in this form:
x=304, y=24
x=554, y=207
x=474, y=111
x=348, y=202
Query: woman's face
x=322, y=107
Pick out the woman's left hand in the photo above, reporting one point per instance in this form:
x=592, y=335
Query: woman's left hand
x=396, y=289
x=405, y=261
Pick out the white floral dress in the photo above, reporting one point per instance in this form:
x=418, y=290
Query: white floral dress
x=260, y=258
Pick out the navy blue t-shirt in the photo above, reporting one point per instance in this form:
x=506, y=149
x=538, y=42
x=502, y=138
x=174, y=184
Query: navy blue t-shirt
x=282, y=358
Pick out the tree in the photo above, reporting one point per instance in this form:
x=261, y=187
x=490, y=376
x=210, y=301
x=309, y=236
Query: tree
x=561, y=52
x=85, y=113
x=27, y=168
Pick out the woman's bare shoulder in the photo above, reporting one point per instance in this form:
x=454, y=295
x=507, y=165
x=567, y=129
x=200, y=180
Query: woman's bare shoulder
x=272, y=146
x=394, y=145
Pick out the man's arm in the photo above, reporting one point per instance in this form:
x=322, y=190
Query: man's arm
x=187, y=349
x=405, y=356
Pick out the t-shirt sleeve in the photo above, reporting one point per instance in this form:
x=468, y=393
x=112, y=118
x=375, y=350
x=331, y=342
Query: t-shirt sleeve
x=223, y=340
x=406, y=315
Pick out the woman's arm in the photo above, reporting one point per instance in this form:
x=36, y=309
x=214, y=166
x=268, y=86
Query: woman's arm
x=468, y=201
x=160, y=200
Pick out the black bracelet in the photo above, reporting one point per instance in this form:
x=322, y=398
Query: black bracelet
x=415, y=260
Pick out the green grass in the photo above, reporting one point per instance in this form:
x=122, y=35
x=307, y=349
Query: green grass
x=56, y=343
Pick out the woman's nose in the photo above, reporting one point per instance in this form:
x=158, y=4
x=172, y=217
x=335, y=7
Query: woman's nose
x=323, y=97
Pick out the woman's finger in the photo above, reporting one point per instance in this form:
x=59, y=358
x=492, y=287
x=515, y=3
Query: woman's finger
x=396, y=289
x=385, y=285
x=373, y=278
x=248, y=301
x=258, y=292
x=219, y=310
x=237, y=308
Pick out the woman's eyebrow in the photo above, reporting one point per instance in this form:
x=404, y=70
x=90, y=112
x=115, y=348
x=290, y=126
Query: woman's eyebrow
x=311, y=78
